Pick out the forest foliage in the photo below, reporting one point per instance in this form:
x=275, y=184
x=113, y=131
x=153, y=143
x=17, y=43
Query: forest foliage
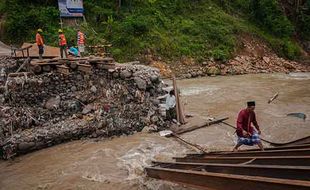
x=201, y=29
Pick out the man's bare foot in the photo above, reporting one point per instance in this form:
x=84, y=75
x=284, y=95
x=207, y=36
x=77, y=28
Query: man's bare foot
x=235, y=150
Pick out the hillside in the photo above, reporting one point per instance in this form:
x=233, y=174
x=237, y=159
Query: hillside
x=169, y=30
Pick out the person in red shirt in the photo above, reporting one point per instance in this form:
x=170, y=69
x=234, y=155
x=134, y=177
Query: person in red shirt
x=62, y=44
x=246, y=133
x=40, y=42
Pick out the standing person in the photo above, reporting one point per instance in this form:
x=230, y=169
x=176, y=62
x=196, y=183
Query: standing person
x=40, y=42
x=170, y=106
x=81, y=42
x=62, y=44
x=246, y=133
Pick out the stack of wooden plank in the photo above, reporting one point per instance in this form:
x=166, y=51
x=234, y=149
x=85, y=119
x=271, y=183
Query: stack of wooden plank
x=283, y=167
x=64, y=66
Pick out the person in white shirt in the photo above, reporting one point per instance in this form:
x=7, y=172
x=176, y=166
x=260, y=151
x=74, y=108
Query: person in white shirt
x=170, y=106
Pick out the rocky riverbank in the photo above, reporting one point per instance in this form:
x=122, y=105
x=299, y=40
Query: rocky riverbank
x=254, y=57
x=241, y=65
x=42, y=110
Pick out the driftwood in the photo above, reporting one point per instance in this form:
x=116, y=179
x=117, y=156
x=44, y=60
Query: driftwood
x=273, y=98
x=185, y=130
x=169, y=133
x=188, y=143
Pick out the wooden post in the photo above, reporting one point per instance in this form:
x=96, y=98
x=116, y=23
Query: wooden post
x=176, y=98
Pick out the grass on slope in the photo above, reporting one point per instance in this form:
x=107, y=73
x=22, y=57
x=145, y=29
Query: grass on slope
x=200, y=29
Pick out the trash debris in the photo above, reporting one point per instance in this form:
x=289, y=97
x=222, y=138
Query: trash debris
x=299, y=115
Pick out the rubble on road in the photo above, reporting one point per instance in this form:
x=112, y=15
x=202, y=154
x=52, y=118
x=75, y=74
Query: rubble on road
x=38, y=111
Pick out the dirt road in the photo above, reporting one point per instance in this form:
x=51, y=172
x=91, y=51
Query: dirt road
x=4, y=49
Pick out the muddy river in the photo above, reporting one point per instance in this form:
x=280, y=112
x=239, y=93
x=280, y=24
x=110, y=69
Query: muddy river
x=118, y=163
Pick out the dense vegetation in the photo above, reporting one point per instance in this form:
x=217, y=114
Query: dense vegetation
x=199, y=28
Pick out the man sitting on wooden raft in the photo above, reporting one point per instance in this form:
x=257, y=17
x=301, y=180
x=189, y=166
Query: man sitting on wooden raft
x=246, y=133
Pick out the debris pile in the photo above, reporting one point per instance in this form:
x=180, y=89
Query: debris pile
x=37, y=111
x=7, y=65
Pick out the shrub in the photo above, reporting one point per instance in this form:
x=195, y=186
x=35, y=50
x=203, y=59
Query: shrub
x=290, y=49
x=268, y=14
x=135, y=25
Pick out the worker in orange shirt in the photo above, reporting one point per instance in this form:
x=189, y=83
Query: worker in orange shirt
x=81, y=42
x=40, y=42
x=62, y=44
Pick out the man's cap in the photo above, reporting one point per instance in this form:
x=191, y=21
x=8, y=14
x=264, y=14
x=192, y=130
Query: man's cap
x=251, y=103
x=60, y=31
x=40, y=30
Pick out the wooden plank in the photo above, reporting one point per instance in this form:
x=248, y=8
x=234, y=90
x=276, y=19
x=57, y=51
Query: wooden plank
x=218, y=181
x=77, y=59
x=25, y=63
x=290, y=152
x=45, y=63
x=256, y=149
x=106, y=60
x=185, y=130
x=274, y=171
x=177, y=106
x=22, y=48
x=273, y=160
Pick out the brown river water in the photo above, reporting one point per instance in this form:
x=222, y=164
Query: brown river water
x=118, y=163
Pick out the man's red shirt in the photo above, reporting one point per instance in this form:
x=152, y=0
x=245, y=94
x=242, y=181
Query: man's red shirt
x=244, y=124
